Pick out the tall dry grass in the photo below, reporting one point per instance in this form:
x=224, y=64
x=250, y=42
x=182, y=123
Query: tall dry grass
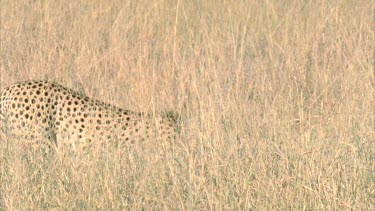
x=276, y=99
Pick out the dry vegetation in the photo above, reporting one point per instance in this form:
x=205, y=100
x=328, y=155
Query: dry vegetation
x=276, y=99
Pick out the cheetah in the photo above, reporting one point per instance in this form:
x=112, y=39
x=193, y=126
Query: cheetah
x=57, y=115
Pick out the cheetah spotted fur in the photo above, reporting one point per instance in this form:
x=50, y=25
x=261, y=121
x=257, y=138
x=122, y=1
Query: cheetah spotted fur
x=47, y=111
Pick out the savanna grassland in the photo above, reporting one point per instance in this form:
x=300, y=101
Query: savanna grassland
x=276, y=100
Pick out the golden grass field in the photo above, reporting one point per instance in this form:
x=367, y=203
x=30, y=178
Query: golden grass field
x=276, y=101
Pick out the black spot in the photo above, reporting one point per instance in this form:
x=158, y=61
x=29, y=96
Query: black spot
x=99, y=122
x=97, y=128
x=37, y=92
x=46, y=94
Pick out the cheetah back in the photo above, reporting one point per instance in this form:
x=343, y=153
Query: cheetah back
x=47, y=110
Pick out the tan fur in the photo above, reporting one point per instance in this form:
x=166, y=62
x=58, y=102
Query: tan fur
x=41, y=110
